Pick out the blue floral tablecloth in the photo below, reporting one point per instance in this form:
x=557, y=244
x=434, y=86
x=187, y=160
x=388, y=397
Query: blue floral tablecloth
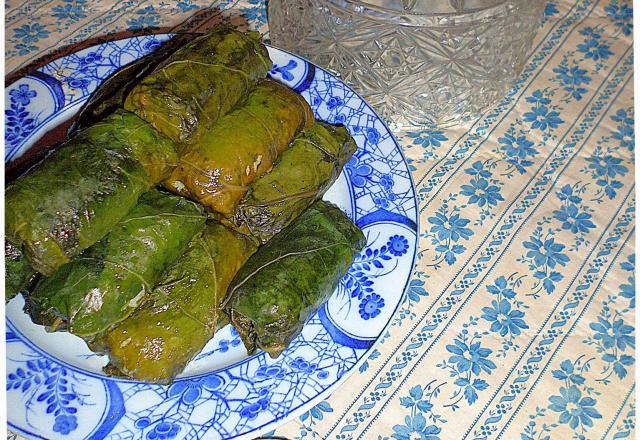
x=519, y=319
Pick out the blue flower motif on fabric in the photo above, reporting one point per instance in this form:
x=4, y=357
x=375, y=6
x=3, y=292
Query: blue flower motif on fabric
x=621, y=13
x=575, y=216
x=147, y=18
x=543, y=116
x=624, y=116
x=516, y=150
x=573, y=405
x=256, y=13
x=543, y=255
x=430, y=140
x=624, y=132
x=517, y=147
x=594, y=47
x=625, y=135
x=422, y=421
x=480, y=192
x=613, y=333
x=70, y=10
x=448, y=227
x=315, y=414
x=483, y=190
x=31, y=33
x=550, y=9
x=504, y=320
x=47, y=383
x=284, y=71
x=416, y=427
x=604, y=168
x=470, y=357
x=629, y=290
x=28, y=34
x=506, y=314
x=468, y=361
x=574, y=408
x=613, y=336
x=572, y=79
x=186, y=6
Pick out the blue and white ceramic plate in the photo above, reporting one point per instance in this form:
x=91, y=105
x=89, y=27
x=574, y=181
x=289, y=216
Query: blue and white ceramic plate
x=55, y=385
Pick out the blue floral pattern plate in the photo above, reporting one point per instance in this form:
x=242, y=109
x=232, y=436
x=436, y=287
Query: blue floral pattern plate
x=56, y=385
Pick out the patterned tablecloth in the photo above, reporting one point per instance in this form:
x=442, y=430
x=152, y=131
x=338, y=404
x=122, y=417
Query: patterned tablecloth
x=519, y=319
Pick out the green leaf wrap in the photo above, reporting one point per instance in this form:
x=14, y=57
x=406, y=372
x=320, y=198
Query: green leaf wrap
x=291, y=276
x=182, y=314
x=75, y=196
x=218, y=165
x=200, y=82
x=104, y=285
x=18, y=271
x=301, y=175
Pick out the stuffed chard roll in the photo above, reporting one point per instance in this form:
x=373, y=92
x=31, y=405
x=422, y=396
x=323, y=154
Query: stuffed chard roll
x=183, y=312
x=104, y=285
x=75, y=196
x=291, y=276
x=112, y=92
x=200, y=82
x=18, y=272
x=301, y=175
x=220, y=162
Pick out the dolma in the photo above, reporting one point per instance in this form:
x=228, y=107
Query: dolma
x=218, y=165
x=291, y=276
x=18, y=272
x=200, y=82
x=75, y=196
x=181, y=315
x=112, y=92
x=105, y=284
x=301, y=175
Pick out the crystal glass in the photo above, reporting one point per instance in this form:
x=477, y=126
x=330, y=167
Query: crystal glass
x=417, y=62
